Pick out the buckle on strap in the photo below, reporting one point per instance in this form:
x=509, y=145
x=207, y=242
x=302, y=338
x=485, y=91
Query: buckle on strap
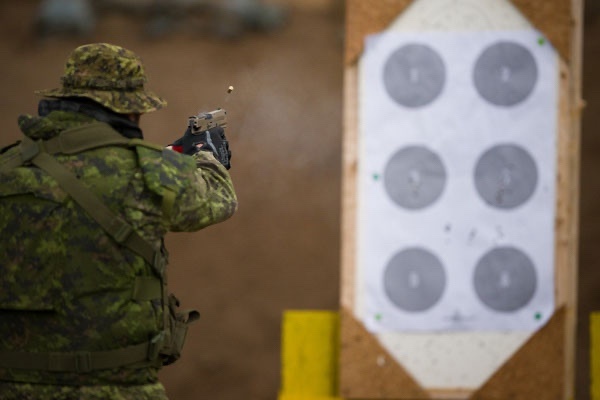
x=75, y=362
x=120, y=230
x=29, y=150
x=155, y=346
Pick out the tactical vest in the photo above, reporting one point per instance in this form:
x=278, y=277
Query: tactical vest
x=166, y=346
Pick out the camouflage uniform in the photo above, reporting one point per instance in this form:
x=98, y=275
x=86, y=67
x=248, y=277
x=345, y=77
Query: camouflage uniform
x=65, y=285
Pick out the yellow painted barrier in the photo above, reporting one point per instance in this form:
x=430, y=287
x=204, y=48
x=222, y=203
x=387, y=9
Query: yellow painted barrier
x=309, y=355
x=595, y=355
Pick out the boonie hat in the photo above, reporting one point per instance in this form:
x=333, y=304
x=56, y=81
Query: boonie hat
x=110, y=75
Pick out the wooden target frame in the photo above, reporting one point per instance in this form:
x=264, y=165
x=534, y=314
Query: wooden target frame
x=543, y=368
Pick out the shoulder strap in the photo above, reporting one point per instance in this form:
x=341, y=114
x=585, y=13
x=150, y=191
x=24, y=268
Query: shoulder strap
x=91, y=136
x=71, y=141
x=85, y=137
x=118, y=229
x=74, y=141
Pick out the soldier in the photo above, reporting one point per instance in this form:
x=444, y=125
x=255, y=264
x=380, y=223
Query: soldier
x=85, y=204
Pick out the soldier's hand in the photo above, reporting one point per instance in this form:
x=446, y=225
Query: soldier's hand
x=212, y=140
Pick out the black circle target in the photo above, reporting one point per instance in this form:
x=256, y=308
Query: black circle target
x=414, y=280
x=505, y=279
x=414, y=177
x=414, y=75
x=506, y=176
x=505, y=73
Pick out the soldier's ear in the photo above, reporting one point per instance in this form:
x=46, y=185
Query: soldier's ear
x=134, y=117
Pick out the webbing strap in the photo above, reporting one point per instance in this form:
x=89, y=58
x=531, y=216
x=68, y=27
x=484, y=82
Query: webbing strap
x=168, y=201
x=147, y=288
x=84, y=361
x=116, y=227
x=83, y=138
x=72, y=141
x=8, y=162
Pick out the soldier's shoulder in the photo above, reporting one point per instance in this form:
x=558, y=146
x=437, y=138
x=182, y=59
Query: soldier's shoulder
x=164, y=167
x=157, y=154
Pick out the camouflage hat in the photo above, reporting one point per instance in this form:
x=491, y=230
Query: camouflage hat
x=110, y=75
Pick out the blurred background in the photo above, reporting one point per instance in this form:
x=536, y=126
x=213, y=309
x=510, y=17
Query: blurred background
x=281, y=250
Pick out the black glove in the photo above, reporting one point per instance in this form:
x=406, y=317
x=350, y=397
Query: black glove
x=212, y=140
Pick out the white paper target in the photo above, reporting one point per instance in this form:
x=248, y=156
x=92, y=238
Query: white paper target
x=456, y=181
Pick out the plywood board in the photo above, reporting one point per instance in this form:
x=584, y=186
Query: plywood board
x=557, y=19
x=369, y=21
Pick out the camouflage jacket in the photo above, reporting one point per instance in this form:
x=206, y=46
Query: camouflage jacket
x=65, y=286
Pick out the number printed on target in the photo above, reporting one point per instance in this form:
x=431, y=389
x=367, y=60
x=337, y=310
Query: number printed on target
x=457, y=183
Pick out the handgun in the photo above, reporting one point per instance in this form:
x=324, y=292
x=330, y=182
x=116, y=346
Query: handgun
x=202, y=122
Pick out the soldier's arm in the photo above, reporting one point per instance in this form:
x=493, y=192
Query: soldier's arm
x=205, y=196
